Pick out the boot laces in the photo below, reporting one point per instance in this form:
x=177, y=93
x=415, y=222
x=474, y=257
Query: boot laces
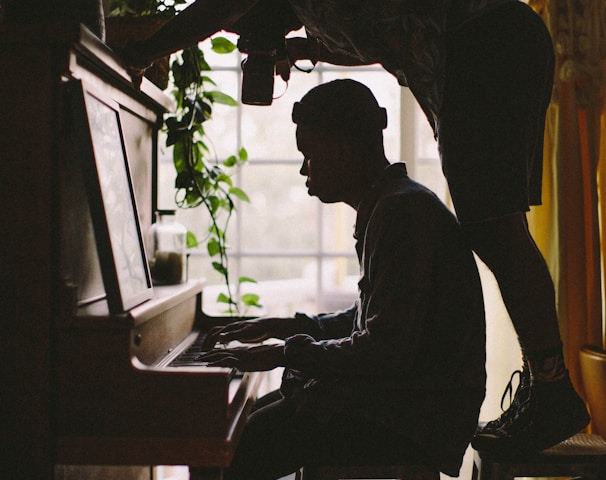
x=509, y=392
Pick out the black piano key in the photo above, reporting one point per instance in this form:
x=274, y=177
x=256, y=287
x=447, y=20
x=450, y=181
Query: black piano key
x=189, y=357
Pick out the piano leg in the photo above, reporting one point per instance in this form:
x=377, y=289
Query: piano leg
x=203, y=473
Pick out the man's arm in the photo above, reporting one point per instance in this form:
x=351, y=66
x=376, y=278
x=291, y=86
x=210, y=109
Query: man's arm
x=205, y=17
x=256, y=330
x=324, y=326
x=301, y=48
x=268, y=357
x=397, y=295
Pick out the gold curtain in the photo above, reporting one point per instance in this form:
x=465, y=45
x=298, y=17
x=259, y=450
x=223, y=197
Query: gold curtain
x=570, y=225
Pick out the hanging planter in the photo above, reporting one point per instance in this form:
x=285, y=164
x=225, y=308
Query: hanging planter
x=122, y=30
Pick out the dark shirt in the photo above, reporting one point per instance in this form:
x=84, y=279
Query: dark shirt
x=410, y=354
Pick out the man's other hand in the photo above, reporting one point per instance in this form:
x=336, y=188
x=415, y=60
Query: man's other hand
x=247, y=359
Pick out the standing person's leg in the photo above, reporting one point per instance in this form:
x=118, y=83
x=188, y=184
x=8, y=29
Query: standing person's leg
x=498, y=84
x=547, y=409
x=507, y=248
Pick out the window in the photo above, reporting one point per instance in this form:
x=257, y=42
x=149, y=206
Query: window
x=300, y=251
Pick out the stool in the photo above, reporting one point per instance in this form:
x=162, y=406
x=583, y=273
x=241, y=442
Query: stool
x=582, y=456
x=399, y=472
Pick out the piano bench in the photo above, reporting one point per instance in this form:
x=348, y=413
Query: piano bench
x=399, y=472
x=581, y=456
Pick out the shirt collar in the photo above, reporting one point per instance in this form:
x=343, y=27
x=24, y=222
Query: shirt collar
x=391, y=175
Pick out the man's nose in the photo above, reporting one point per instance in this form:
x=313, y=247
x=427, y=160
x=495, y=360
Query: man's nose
x=304, y=168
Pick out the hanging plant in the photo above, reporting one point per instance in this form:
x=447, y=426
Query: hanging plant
x=120, y=8
x=201, y=179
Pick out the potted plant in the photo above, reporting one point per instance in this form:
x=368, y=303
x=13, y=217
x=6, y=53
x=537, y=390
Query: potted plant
x=593, y=371
x=129, y=20
x=202, y=180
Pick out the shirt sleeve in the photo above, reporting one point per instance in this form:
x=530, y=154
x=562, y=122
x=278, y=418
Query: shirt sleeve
x=330, y=325
x=396, y=294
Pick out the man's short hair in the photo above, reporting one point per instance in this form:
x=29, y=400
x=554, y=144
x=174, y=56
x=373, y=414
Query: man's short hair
x=341, y=106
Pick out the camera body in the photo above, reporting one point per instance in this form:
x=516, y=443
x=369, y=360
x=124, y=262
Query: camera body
x=262, y=37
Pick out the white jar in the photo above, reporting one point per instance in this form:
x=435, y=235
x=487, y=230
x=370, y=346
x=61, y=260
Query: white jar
x=167, y=261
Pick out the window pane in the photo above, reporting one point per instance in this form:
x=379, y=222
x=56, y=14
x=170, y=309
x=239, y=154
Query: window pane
x=286, y=284
x=337, y=228
x=340, y=275
x=222, y=136
x=281, y=216
x=267, y=131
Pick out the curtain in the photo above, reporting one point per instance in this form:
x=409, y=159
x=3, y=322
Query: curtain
x=570, y=225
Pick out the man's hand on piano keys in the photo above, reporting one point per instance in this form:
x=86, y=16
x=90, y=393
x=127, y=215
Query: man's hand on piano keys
x=255, y=330
x=254, y=358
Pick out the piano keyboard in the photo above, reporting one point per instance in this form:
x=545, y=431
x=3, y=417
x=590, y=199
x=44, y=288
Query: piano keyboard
x=188, y=358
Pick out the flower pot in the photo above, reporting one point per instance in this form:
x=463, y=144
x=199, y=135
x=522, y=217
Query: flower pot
x=122, y=30
x=593, y=371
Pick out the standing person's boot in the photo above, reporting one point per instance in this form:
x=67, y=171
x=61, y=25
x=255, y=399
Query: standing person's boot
x=551, y=413
x=519, y=397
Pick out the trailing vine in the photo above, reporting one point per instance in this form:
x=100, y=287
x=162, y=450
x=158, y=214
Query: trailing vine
x=202, y=180
x=118, y=8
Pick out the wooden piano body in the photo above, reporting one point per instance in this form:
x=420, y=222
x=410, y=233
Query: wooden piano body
x=117, y=406
x=83, y=385
x=114, y=409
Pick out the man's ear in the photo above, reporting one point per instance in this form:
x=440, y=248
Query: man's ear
x=354, y=159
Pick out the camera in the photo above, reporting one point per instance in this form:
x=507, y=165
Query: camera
x=262, y=37
x=258, y=71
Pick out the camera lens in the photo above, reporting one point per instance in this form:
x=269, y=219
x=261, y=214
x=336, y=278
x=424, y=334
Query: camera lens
x=258, y=79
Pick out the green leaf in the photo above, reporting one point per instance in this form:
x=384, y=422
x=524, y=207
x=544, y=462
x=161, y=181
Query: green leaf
x=222, y=45
x=219, y=267
x=215, y=171
x=242, y=154
x=191, y=240
x=246, y=280
x=230, y=161
x=213, y=246
x=181, y=150
x=239, y=193
x=215, y=230
x=223, y=177
x=183, y=180
x=222, y=298
x=250, y=300
x=207, y=79
x=214, y=203
x=223, y=98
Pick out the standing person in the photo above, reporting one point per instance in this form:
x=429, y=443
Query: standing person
x=398, y=377
x=482, y=71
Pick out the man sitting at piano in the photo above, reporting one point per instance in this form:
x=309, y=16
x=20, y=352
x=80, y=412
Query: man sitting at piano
x=398, y=377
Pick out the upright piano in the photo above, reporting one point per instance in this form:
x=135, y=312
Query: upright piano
x=109, y=392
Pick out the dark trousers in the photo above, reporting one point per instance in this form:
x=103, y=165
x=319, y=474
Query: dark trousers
x=278, y=440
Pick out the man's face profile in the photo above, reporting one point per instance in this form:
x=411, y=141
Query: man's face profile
x=324, y=164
